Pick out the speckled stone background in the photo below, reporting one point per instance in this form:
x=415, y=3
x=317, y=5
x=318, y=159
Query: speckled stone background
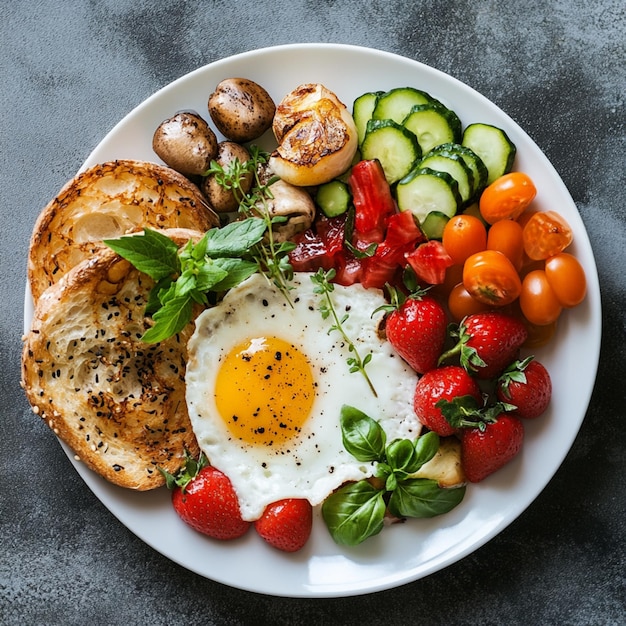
x=70, y=70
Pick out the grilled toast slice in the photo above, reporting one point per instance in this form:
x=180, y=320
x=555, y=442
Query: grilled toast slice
x=107, y=201
x=117, y=402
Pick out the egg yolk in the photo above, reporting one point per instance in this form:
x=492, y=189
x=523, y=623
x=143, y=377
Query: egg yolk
x=264, y=391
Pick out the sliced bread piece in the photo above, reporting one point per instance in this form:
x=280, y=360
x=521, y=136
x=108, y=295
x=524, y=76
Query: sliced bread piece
x=116, y=401
x=107, y=201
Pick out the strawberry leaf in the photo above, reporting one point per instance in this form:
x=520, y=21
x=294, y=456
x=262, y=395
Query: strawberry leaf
x=186, y=473
x=514, y=373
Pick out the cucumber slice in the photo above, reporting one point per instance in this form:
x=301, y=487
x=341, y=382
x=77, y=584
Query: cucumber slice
x=493, y=146
x=454, y=165
x=472, y=160
x=433, y=124
x=393, y=145
x=397, y=103
x=434, y=223
x=362, y=110
x=333, y=198
x=424, y=190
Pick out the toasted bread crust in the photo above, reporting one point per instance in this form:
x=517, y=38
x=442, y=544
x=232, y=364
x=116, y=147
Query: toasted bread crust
x=117, y=402
x=107, y=201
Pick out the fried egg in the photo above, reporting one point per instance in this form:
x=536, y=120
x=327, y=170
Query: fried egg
x=266, y=382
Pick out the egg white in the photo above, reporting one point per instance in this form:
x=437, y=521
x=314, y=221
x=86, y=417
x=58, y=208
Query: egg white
x=314, y=463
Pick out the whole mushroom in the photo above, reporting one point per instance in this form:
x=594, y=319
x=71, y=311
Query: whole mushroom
x=186, y=143
x=241, y=109
x=223, y=200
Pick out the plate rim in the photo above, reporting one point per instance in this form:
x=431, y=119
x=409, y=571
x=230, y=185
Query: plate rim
x=93, y=481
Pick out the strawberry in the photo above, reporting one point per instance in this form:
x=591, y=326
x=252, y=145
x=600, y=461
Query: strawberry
x=488, y=447
x=286, y=524
x=204, y=498
x=527, y=385
x=416, y=327
x=451, y=383
x=430, y=261
x=487, y=343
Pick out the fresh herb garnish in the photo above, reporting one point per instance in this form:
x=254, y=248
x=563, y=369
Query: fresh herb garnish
x=222, y=259
x=271, y=255
x=357, y=510
x=324, y=287
x=219, y=261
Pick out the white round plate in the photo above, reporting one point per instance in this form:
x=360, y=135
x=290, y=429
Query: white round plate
x=404, y=552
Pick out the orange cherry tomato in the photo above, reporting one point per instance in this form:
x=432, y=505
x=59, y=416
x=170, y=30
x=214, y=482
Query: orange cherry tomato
x=537, y=300
x=461, y=304
x=507, y=197
x=454, y=275
x=506, y=237
x=491, y=278
x=567, y=278
x=464, y=235
x=545, y=234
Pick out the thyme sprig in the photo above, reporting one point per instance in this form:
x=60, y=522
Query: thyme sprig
x=324, y=287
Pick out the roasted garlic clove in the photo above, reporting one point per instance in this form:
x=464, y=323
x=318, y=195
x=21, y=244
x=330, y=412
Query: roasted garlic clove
x=316, y=134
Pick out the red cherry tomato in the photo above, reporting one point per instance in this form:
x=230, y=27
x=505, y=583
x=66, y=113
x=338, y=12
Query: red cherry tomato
x=507, y=197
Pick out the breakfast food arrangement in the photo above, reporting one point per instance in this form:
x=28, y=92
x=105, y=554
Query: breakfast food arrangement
x=344, y=323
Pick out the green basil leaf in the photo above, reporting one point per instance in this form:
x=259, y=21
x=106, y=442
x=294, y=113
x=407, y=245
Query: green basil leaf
x=279, y=219
x=354, y=513
x=209, y=274
x=392, y=482
x=199, y=250
x=402, y=458
x=237, y=270
x=235, y=239
x=362, y=436
x=426, y=447
x=185, y=254
x=152, y=253
x=422, y=497
x=170, y=319
x=383, y=471
x=185, y=283
x=154, y=298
